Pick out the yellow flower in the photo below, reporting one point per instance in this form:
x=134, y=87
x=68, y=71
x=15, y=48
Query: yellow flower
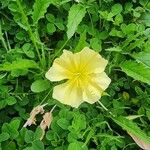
x=86, y=79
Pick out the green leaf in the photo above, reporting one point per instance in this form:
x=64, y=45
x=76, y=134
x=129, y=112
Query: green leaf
x=138, y=71
x=128, y=29
x=50, y=18
x=29, y=136
x=50, y=135
x=18, y=72
x=10, y=130
x=59, y=25
x=76, y=14
x=39, y=9
x=40, y=86
x=143, y=57
x=18, y=12
x=63, y=123
x=135, y=44
x=9, y=146
x=51, y=28
x=11, y=100
x=116, y=9
x=131, y=127
x=15, y=124
x=114, y=49
x=28, y=50
x=4, y=136
x=95, y=43
x=128, y=7
x=145, y=18
x=79, y=122
x=3, y=104
x=38, y=145
x=77, y=146
x=82, y=42
x=118, y=19
x=117, y=33
x=19, y=64
x=38, y=133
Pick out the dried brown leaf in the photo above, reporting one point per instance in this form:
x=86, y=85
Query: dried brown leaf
x=45, y=123
x=36, y=110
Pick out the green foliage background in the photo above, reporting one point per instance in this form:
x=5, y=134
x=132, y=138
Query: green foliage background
x=33, y=33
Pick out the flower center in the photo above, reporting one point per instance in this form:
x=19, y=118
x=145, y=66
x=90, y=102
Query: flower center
x=80, y=75
x=81, y=78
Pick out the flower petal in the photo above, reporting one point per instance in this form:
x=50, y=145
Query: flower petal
x=68, y=93
x=92, y=61
x=91, y=95
x=61, y=68
x=57, y=73
x=102, y=80
x=97, y=85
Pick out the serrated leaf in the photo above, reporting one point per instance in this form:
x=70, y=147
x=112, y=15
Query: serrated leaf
x=138, y=71
x=114, y=49
x=135, y=44
x=76, y=14
x=131, y=127
x=19, y=64
x=39, y=9
x=140, y=143
x=143, y=57
x=40, y=86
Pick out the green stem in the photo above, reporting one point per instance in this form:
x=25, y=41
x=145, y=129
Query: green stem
x=61, y=48
x=53, y=108
x=43, y=56
x=45, y=97
x=58, y=51
x=2, y=39
x=91, y=22
x=105, y=108
x=29, y=28
x=4, y=43
x=9, y=47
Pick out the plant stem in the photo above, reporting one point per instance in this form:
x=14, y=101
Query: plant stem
x=2, y=39
x=58, y=51
x=45, y=97
x=105, y=108
x=53, y=108
x=9, y=47
x=25, y=18
x=91, y=23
